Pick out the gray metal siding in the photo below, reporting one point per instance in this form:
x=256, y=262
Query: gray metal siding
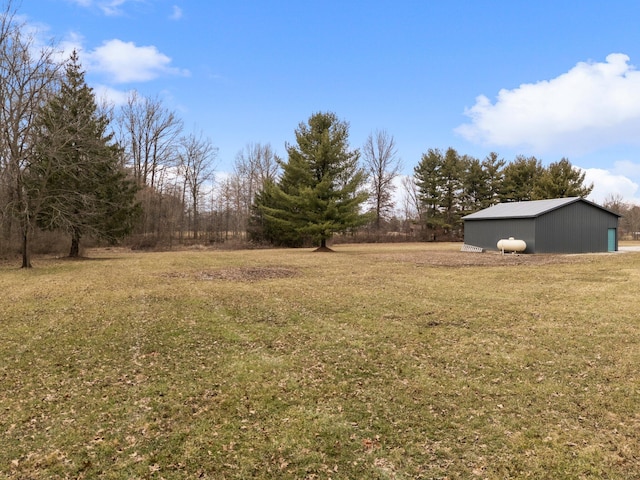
x=486, y=233
x=576, y=228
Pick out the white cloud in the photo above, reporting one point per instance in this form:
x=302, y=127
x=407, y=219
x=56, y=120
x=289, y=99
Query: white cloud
x=122, y=62
x=126, y=62
x=628, y=168
x=607, y=184
x=42, y=40
x=112, y=96
x=108, y=7
x=73, y=41
x=592, y=105
x=176, y=13
x=112, y=8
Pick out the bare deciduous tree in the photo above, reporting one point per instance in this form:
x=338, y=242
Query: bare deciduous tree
x=615, y=202
x=629, y=225
x=150, y=133
x=197, y=156
x=411, y=205
x=254, y=165
x=383, y=166
x=27, y=76
x=259, y=161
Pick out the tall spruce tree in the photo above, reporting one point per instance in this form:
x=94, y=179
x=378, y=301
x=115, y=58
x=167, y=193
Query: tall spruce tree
x=475, y=186
x=493, y=165
x=561, y=179
x=440, y=180
x=520, y=179
x=452, y=175
x=76, y=170
x=428, y=179
x=321, y=189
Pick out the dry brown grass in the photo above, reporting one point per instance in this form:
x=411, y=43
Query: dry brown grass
x=376, y=361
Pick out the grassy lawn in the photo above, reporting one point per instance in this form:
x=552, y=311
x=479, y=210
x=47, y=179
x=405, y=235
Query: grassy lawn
x=374, y=362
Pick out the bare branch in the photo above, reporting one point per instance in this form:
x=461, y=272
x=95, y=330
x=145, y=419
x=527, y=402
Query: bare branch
x=383, y=166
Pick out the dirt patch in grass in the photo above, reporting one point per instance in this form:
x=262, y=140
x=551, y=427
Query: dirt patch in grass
x=467, y=259
x=238, y=274
x=248, y=274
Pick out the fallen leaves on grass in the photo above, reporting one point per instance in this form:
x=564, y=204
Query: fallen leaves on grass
x=248, y=274
x=239, y=274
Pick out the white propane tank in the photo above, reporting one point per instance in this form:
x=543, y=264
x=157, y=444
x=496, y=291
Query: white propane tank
x=511, y=245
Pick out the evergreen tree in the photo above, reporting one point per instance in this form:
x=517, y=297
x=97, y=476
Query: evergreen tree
x=559, y=180
x=440, y=181
x=429, y=180
x=475, y=186
x=451, y=173
x=320, y=191
x=520, y=179
x=76, y=170
x=275, y=230
x=482, y=182
x=493, y=166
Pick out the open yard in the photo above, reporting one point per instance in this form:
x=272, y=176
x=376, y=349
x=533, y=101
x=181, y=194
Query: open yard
x=374, y=362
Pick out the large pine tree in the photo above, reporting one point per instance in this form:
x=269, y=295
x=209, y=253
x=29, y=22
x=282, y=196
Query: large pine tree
x=429, y=180
x=76, y=173
x=321, y=189
x=520, y=179
x=561, y=179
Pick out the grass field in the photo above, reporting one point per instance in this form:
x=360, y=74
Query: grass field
x=374, y=362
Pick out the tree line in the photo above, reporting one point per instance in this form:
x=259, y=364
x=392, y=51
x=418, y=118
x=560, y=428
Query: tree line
x=324, y=190
x=450, y=186
x=85, y=170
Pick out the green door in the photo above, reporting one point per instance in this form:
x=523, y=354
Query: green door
x=612, y=240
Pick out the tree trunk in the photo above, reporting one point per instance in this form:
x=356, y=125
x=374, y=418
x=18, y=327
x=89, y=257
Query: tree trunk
x=75, y=246
x=26, y=255
x=7, y=226
x=196, y=227
x=323, y=246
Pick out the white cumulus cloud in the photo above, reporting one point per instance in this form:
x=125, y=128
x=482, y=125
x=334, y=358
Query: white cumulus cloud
x=593, y=105
x=607, y=184
x=125, y=62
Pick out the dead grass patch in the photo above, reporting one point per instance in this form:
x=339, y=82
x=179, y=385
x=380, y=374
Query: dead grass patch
x=248, y=274
x=238, y=274
x=448, y=258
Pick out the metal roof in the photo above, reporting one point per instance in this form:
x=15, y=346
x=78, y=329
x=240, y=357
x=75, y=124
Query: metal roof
x=530, y=209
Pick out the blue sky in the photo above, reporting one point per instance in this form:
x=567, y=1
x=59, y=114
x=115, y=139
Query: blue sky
x=546, y=78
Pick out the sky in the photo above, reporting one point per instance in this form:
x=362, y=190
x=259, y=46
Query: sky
x=550, y=78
